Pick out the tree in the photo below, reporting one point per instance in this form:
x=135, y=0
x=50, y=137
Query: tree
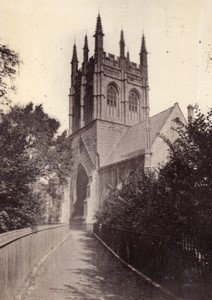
x=31, y=154
x=173, y=206
x=129, y=207
x=9, y=63
x=188, y=173
x=178, y=198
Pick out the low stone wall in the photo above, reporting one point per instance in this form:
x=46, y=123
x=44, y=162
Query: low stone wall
x=20, y=253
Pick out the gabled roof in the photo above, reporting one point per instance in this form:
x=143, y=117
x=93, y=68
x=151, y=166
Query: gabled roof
x=132, y=142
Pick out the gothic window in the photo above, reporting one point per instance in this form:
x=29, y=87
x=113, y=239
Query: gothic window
x=133, y=102
x=112, y=100
x=133, y=106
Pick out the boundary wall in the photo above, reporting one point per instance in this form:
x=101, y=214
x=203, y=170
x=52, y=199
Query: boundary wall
x=21, y=251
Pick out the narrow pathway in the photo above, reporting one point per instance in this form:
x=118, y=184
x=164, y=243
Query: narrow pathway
x=82, y=269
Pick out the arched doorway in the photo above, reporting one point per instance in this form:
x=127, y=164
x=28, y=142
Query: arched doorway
x=81, y=191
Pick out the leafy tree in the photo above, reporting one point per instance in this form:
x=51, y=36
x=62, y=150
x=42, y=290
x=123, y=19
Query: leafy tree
x=174, y=206
x=188, y=174
x=31, y=154
x=129, y=207
x=9, y=63
x=178, y=198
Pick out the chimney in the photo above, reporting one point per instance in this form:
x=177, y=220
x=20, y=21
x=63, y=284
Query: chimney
x=190, y=109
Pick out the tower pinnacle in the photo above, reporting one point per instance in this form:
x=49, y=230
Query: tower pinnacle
x=122, y=44
x=85, y=49
x=143, y=57
x=99, y=26
x=86, y=42
x=74, y=64
x=143, y=45
x=74, y=57
x=99, y=39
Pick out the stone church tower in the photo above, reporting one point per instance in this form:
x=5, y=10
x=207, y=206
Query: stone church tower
x=108, y=88
x=109, y=125
x=107, y=96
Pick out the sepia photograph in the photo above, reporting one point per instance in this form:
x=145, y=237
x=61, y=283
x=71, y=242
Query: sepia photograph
x=106, y=149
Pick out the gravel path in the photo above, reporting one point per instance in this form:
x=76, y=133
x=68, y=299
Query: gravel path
x=82, y=269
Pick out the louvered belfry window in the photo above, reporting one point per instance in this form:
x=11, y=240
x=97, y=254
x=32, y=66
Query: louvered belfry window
x=112, y=99
x=133, y=106
x=133, y=102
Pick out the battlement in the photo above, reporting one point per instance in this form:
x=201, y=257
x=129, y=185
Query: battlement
x=114, y=61
x=134, y=65
x=110, y=59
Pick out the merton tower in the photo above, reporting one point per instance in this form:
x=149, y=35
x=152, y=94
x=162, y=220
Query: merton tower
x=111, y=132
x=106, y=87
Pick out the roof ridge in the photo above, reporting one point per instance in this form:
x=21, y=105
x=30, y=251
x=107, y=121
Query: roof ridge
x=161, y=112
x=140, y=125
x=119, y=140
x=164, y=121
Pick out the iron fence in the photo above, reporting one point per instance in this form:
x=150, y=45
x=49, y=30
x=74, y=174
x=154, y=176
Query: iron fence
x=176, y=262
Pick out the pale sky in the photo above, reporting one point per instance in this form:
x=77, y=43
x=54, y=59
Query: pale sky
x=178, y=38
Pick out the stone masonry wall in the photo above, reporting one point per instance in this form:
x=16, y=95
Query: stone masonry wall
x=159, y=148
x=84, y=152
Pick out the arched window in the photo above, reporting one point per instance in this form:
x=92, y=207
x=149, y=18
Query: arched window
x=133, y=102
x=112, y=100
x=133, y=106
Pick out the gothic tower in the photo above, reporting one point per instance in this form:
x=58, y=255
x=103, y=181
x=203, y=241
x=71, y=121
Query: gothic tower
x=108, y=96
x=106, y=87
x=111, y=133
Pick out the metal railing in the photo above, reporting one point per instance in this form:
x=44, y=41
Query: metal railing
x=172, y=261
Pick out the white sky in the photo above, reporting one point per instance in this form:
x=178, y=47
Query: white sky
x=178, y=38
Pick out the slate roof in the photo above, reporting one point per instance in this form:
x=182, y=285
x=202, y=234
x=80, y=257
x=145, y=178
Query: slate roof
x=132, y=142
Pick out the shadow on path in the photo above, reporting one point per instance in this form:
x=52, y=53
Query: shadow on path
x=82, y=269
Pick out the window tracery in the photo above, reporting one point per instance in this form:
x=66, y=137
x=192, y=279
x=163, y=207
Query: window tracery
x=112, y=100
x=133, y=106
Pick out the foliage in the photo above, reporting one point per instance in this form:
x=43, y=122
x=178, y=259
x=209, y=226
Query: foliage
x=129, y=207
x=178, y=198
x=31, y=154
x=188, y=175
x=9, y=63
